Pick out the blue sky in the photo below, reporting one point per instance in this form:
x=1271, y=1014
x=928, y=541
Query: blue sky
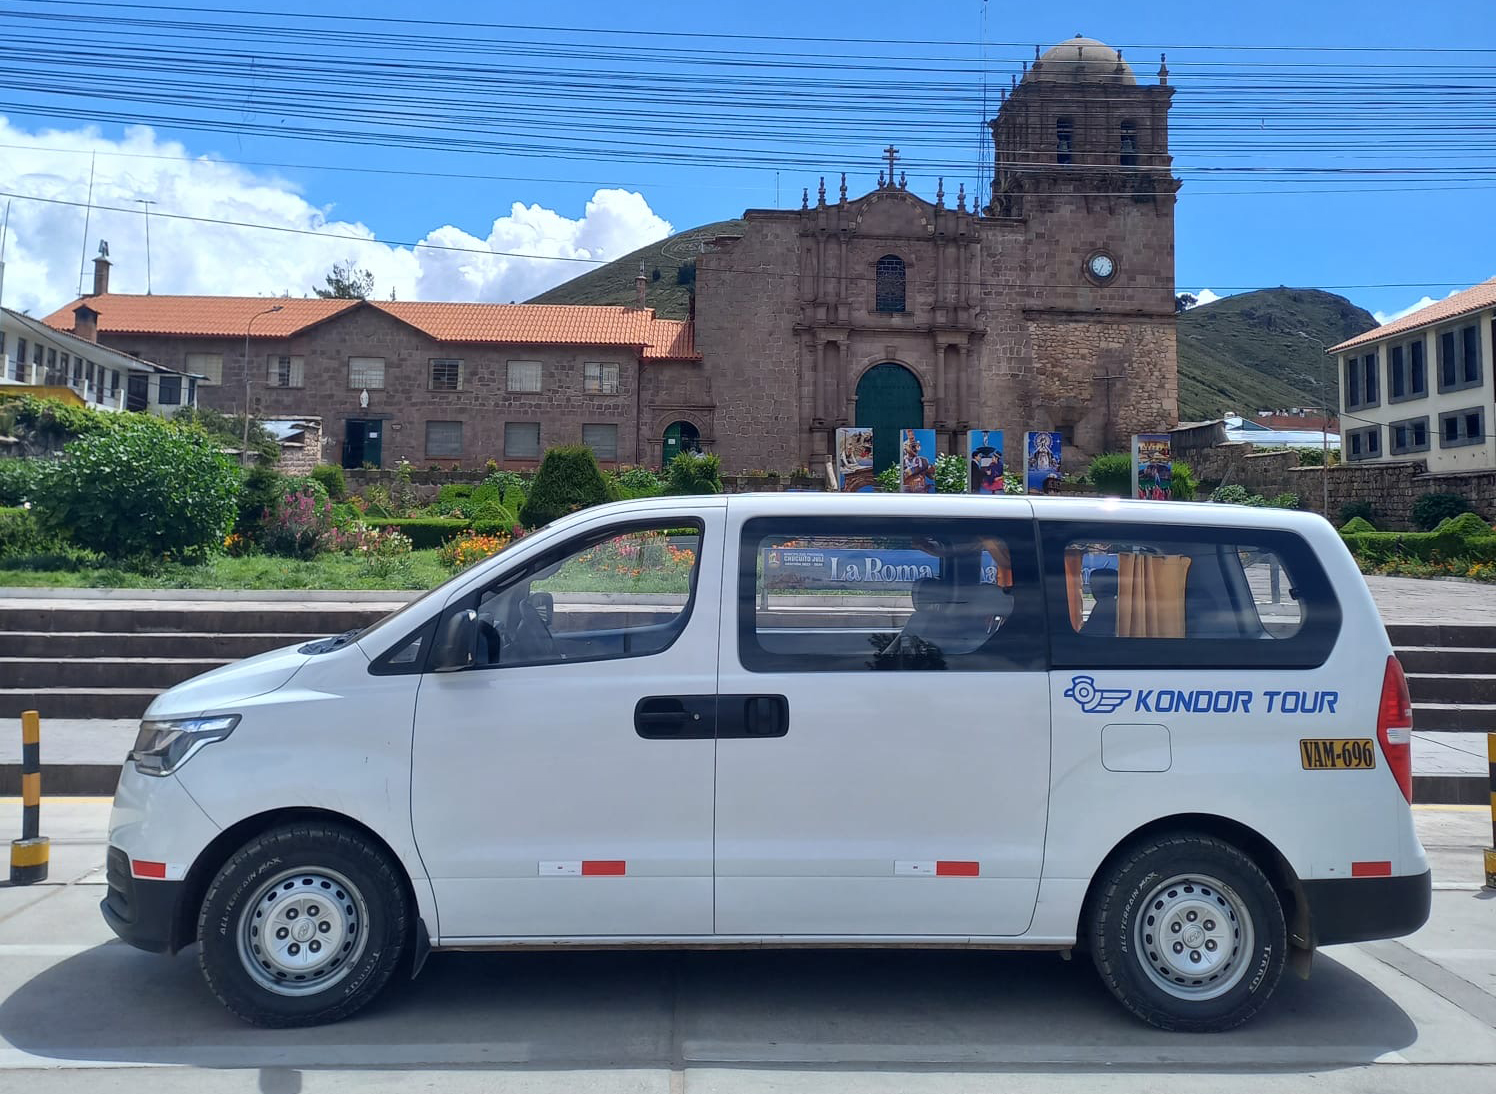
x=1361, y=170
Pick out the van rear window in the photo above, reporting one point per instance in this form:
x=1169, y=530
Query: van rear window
x=1140, y=596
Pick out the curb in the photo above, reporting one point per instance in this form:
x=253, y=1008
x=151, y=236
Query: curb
x=225, y=596
x=99, y=780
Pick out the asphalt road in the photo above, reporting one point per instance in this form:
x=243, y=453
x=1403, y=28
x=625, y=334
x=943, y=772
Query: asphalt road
x=79, y=1010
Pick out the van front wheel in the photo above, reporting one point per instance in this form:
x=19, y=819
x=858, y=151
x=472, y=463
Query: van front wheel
x=304, y=924
x=1188, y=934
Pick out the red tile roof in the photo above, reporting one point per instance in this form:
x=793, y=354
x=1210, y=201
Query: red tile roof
x=1452, y=307
x=498, y=324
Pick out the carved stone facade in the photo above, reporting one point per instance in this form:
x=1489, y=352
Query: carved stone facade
x=1050, y=309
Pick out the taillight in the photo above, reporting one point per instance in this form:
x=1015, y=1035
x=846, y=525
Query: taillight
x=1395, y=727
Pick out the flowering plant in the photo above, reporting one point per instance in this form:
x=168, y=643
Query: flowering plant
x=460, y=553
x=300, y=526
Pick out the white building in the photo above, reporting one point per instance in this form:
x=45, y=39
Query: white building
x=1421, y=388
x=54, y=363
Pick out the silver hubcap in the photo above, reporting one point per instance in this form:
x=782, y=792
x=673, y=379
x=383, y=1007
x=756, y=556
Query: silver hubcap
x=1194, y=937
x=303, y=931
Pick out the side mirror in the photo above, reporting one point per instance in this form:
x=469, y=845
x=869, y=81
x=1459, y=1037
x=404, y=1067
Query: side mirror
x=457, y=643
x=544, y=605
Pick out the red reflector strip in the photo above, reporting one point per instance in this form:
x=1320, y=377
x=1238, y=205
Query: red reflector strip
x=1371, y=869
x=604, y=867
x=952, y=868
x=153, y=870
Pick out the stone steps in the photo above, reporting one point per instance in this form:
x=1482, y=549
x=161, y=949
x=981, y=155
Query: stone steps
x=60, y=645
x=103, y=672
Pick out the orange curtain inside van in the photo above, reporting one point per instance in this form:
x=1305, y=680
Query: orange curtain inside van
x=1004, y=561
x=1072, y=587
x=1150, y=594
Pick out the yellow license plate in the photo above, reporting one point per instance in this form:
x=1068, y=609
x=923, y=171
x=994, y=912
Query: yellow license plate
x=1337, y=754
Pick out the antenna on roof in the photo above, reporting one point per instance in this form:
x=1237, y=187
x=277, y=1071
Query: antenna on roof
x=93, y=160
x=4, y=231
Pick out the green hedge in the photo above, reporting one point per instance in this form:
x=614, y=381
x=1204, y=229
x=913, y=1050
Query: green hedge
x=1379, y=547
x=426, y=532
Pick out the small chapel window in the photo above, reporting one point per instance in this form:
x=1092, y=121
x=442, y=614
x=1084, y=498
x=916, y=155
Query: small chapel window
x=1129, y=144
x=1064, y=138
x=890, y=284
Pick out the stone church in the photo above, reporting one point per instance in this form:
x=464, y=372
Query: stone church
x=1047, y=305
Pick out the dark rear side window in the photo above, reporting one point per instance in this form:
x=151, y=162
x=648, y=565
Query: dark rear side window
x=1158, y=596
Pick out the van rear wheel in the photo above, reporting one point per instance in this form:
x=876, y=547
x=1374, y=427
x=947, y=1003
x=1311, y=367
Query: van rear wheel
x=303, y=925
x=1188, y=934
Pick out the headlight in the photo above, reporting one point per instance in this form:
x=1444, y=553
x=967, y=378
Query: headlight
x=162, y=747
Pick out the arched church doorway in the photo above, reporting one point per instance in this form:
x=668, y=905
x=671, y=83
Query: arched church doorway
x=889, y=398
x=679, y=437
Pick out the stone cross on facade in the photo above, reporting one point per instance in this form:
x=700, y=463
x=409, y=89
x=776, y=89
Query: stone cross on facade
x=892, y=153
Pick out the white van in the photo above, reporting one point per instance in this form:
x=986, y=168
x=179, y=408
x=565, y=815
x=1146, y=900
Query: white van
x=1173, y=736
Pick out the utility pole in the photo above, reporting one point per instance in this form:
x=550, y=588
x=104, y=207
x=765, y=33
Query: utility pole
x=244, y=444
x=147, y=202
x=1324, y=428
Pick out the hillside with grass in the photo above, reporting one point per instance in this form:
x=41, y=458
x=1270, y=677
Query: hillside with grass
x=669, y=266
x=1243, y=353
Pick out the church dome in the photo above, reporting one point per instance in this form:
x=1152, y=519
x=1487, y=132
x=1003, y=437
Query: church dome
x=1081, y=60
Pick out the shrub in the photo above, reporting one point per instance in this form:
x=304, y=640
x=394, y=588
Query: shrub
x=1236, y=494
x=459, y=554
x=259, y=493
x=1111, y=474
x=638, y=482
x=690, y=473
x=1286, y=500
x=1432, y=509
x=1356, y=525
x=1363, y=509
x=330, y=476
x=492, y=514
x=426, y=532
x=569, y=479
x=300, y=526
x=514, y=498
x=383, y=552
x=1382, y=548
x=20, y=535
x=505, y=481
x=1466, y=526
x=887, y=480
x=1183, y=484
x=144, y=488
x=952, y=474
x=19, y=479
x=1313, y=455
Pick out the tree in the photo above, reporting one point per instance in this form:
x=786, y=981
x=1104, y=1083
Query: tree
x=347, y=283
x=1184, y=301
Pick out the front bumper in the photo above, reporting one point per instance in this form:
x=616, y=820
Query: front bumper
x=1363, y=908
x=146, y=914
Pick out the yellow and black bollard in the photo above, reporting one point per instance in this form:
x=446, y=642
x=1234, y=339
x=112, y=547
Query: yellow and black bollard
x=29, y=854
x=1491, y=775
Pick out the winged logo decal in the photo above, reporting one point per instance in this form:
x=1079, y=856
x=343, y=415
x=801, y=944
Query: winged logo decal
x=1094, y=700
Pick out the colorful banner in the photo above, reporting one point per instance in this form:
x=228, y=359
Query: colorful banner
x=1152, y=467
x=854, y=459
x=1042, y=462
x=984, y=450
x=917, y=461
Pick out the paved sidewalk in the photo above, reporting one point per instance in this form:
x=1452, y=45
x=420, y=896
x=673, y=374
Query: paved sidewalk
x=1419, y=600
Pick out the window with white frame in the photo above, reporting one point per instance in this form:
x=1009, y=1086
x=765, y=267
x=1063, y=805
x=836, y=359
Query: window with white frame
x=208, y=365
x=600, y=378
x=522, y=440
x=285, y=371
x=522, y=377
x=602, y=439
x=444, y=439
x=366, y=373
x=446, y=374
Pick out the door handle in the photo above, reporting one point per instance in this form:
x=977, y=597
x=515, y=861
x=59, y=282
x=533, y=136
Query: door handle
x=745, y=716
x=676, y=717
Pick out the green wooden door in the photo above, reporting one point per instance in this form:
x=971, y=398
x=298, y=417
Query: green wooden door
x=680, y=437
x=889, y=399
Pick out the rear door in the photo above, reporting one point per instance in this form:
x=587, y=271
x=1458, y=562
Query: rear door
x=883, y=721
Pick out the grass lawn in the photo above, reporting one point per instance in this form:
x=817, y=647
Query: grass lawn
x=333, y=571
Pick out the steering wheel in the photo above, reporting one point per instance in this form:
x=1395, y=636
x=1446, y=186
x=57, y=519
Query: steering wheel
x=528, y=636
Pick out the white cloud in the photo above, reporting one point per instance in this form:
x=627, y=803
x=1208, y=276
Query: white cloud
x=1383, y=317
x=45, y=242
x=1205, y=296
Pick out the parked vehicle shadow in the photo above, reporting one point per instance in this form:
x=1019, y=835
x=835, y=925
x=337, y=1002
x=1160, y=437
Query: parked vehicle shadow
x=856, y=1009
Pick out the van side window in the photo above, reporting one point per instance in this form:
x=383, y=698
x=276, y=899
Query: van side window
x=1152, y=596
x=864, y=594
x=623, y=592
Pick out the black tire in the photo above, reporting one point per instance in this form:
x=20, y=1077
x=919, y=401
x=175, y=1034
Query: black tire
x=1164, y=892
x=359, y=926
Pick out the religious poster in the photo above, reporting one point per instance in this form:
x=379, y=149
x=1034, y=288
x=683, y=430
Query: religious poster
x=917, y=461
x=1152, y=467
x=984, y=450
x=1042, y=462
x=854, y=459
